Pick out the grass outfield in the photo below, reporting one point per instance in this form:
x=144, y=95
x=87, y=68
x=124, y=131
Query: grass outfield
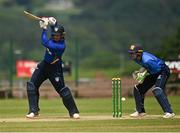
x=96, y=116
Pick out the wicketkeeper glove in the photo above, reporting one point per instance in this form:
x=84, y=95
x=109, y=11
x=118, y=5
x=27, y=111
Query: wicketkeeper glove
x=44, y=23
x=52, y=21
x=140, y=76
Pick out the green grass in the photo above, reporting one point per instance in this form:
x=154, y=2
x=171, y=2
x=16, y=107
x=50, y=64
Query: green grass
x=53, y=108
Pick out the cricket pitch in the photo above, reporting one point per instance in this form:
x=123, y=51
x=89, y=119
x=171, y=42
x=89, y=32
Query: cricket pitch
x=82, y=118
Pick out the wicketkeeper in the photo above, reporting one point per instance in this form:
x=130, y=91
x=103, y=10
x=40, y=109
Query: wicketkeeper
x=50, y=68
x=155, y=73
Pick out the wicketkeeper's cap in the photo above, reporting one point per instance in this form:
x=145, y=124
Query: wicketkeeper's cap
x=135, y=49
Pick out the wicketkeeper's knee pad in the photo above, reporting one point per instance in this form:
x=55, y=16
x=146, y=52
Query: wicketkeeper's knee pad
x=65, y=93
x=158, y=92
x=162, y=99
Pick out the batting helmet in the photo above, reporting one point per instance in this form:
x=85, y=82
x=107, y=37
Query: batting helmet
x=57, y=30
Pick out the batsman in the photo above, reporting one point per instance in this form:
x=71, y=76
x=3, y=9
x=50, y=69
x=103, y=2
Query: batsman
x=154, y=73
x=50, y=68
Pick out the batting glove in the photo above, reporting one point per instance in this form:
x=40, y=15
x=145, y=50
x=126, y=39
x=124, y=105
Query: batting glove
x=52, y=21
x=141, y=76
x=43, y=23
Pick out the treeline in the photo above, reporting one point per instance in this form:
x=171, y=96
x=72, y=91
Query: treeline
x=103, y=29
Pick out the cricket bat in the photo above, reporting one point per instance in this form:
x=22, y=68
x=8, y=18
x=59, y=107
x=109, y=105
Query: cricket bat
x=30, y=15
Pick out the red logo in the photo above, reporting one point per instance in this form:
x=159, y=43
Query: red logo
x=25, y=68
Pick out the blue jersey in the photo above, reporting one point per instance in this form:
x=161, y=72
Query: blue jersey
x=151, y=63
x=54, y=50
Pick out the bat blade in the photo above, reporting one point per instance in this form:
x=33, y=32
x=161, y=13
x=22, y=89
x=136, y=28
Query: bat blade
x=32, y=16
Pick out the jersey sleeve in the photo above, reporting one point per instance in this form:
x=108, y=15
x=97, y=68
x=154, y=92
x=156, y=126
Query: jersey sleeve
x=49, y=43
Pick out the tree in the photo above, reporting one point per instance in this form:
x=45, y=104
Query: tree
x=171, y=46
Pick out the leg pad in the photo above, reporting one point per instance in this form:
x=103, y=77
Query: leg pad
x=162, y=99
x=32, y=97
x=68, y=101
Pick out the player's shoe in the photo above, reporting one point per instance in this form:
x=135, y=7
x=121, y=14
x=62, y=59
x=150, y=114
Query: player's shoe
x=32, y=115
x=76, y=116
x=168, y=115
x=137, y=114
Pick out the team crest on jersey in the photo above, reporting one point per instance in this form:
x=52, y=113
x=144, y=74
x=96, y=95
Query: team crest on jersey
x=56, y=29
x=57, y=79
